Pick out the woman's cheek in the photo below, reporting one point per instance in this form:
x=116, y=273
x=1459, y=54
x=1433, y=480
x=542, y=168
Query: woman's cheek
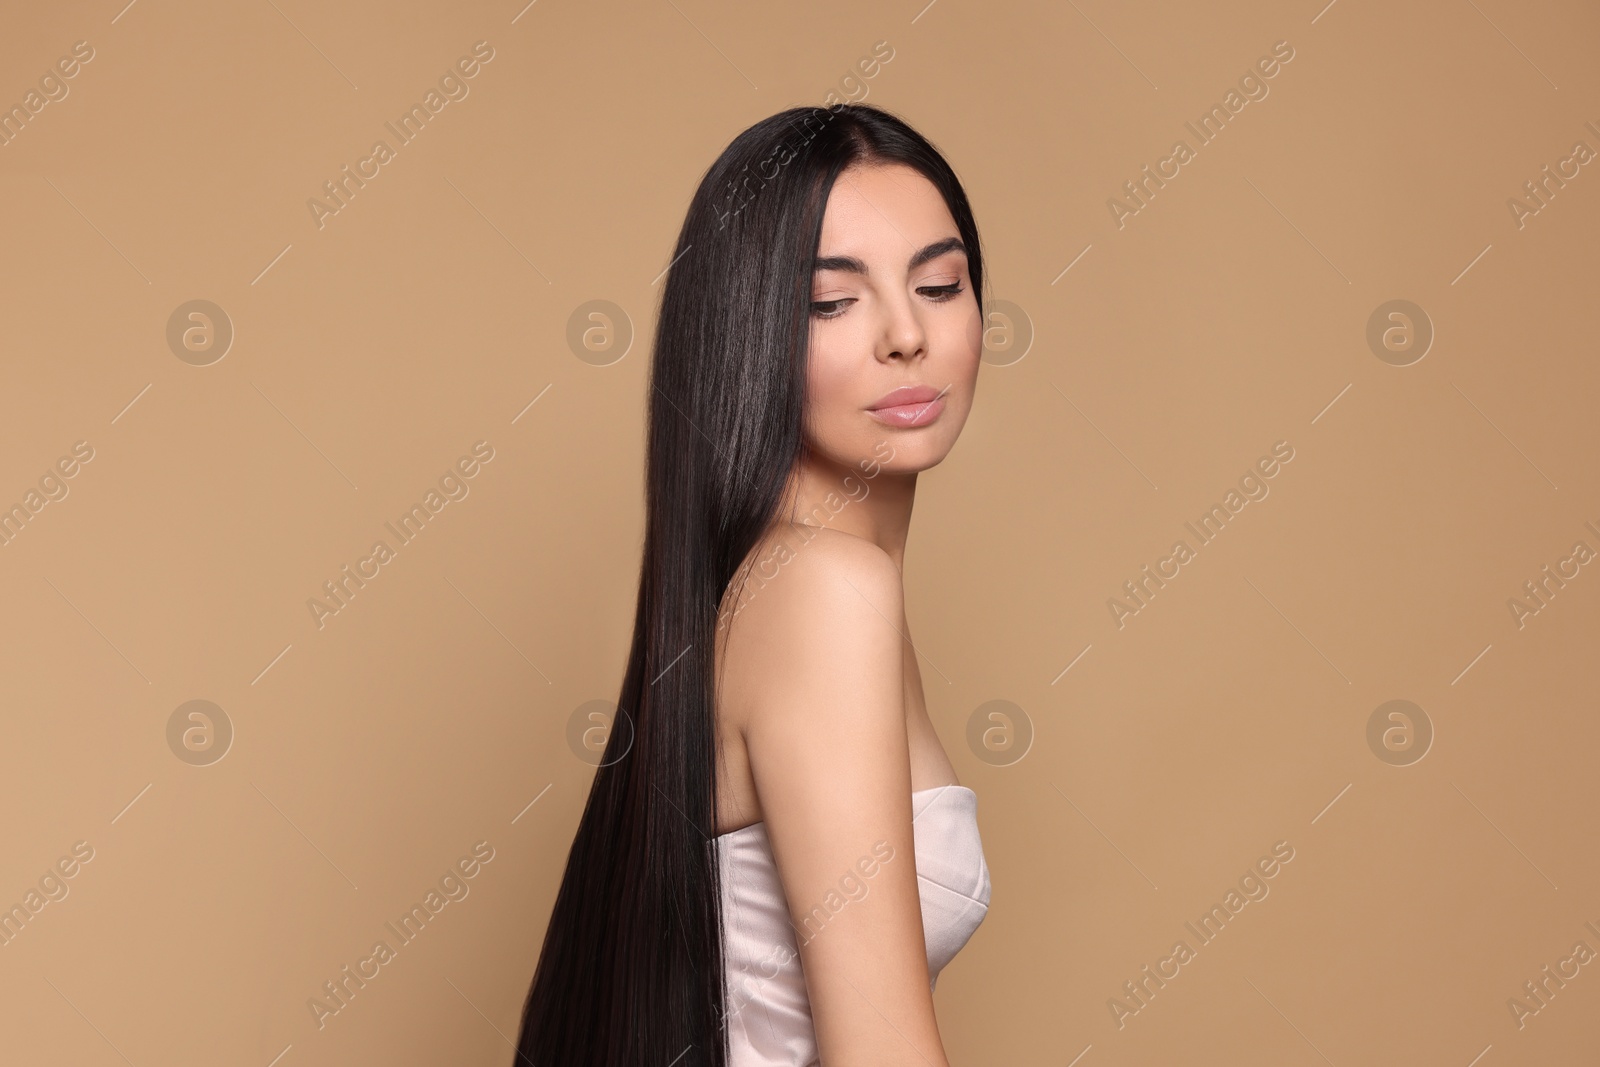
x=830, y=386
x=975, y=336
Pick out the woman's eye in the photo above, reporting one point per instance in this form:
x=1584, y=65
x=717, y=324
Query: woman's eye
x=832, y=309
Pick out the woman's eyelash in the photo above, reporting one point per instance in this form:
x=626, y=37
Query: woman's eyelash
x=832, y=309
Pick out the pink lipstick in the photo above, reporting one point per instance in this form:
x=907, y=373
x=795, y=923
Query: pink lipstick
x=909, y=405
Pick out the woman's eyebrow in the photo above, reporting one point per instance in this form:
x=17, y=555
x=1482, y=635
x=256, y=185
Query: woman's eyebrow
x=855, y=266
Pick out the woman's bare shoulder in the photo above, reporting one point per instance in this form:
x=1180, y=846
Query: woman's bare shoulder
x=796, y=574
x=805, y=593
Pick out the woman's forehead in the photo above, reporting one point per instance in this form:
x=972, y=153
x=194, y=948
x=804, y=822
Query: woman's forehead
x=887, y=210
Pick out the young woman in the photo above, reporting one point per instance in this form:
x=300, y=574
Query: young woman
x=776, y=860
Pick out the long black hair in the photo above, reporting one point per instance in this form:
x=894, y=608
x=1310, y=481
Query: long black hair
x=631, y=971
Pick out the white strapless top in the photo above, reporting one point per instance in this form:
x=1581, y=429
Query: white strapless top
x=768, y=1012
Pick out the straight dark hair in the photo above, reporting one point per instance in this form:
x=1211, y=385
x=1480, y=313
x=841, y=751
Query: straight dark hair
x=631, y=972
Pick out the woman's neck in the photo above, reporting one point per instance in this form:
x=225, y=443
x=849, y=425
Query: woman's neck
x=871, y=503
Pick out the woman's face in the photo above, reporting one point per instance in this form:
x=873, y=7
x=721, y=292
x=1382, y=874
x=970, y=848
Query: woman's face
x=895, y=331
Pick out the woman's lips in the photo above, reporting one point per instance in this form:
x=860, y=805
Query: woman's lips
x=919, y=414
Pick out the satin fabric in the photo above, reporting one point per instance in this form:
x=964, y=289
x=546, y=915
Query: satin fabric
x=768, y=1013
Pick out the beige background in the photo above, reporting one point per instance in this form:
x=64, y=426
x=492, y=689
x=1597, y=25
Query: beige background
x=1228, y=314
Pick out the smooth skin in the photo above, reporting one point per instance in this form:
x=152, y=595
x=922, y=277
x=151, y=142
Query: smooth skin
x=823, y=730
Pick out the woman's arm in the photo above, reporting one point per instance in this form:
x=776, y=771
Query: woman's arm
x=829, y=755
